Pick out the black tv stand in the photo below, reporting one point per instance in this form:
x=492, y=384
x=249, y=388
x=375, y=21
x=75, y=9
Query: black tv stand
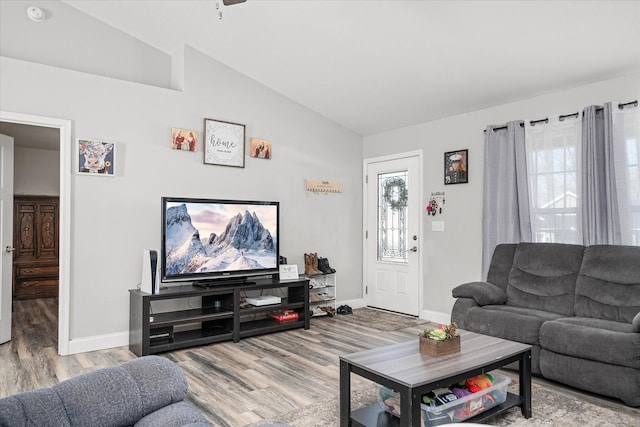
x=222, y=282
x=174, y=318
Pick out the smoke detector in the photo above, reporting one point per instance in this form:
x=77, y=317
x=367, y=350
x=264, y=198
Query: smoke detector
x=36, y=14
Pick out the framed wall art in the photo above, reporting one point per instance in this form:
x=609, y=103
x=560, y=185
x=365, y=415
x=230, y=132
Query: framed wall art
x=260, y=148
x=184, y=139
x=95, y=157
x=223, y=143
x=456, y=167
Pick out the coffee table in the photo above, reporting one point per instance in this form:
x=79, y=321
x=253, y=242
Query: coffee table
x=404, y=369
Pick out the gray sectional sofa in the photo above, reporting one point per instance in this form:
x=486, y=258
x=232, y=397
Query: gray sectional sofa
x=578, y=307
x=144, y=392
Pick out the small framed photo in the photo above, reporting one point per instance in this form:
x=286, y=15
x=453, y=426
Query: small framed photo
x=184, y=139
x=260, y=148
x=456, y=167
x=95, y=157
x=288, y=272
x=223, y=143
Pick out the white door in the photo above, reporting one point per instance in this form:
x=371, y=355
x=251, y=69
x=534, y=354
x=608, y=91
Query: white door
x=6, y=235
x=393, y=233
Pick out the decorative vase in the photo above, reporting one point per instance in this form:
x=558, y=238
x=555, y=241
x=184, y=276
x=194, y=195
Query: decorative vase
x=435, y=348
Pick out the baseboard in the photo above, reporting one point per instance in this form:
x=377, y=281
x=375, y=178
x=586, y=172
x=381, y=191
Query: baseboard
x=436, y=317
x=98, y=342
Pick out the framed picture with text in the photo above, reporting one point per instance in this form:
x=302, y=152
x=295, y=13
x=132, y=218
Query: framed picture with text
x=456, y=167
x=223, y=143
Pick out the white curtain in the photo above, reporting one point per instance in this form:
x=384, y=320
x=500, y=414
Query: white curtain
x=626, y=160
x=553, y=151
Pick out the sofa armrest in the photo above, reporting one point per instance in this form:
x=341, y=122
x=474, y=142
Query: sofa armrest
x=483, y=293
x=635, y=323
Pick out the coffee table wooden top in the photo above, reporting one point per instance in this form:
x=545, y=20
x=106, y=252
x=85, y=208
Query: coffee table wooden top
x=406, y=365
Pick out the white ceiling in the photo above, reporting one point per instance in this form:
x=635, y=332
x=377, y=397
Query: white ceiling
x=377, y=65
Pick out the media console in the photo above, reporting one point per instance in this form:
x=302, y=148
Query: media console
x=186, y=315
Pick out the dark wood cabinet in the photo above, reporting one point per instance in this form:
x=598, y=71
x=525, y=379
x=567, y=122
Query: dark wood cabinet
x=169, y=321
x=35, y=239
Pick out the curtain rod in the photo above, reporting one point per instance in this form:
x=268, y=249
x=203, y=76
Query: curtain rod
x=626, y=104
x=562, y=117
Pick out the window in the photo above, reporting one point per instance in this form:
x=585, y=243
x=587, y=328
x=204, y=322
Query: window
x=392, y=216
x=553, y=177
x=627, y=161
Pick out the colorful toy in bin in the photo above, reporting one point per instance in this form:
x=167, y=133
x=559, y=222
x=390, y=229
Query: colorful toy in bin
x=479, y=382
x=455, y=403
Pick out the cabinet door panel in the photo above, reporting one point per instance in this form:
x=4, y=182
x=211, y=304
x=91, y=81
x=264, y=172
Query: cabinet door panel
x=48, y=241
x=25, y=221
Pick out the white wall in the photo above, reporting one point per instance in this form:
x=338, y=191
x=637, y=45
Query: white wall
x=36, y=172
x=454, y=256
x=71, y=39
x=114, y=218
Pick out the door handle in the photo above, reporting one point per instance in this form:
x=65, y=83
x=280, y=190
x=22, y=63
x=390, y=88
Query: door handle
x=9, y=249
x=413, y=249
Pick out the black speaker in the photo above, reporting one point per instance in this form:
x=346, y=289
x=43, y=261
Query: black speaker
x=150, y=281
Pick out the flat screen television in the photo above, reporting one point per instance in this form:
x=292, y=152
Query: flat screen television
x=217, y=242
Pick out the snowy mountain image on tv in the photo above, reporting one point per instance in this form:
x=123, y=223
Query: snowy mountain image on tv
x=218, y=237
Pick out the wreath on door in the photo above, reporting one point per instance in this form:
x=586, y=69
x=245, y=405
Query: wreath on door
x=395, y=193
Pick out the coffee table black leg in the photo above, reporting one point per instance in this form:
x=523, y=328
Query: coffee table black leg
x=525, y=383
x=345, y=394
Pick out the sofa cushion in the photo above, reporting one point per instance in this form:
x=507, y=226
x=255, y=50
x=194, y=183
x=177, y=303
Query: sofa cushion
x=33, y=408
x=608, y=286
x=601, y=340
x=543, y=277
x=177, y=414
x=507, y=322
x=601, y=378
x=501, y=262
x=157, y=373
x=482, y=293
x=105, y=397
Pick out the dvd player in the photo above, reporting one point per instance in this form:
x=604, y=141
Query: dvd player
x=264, y=300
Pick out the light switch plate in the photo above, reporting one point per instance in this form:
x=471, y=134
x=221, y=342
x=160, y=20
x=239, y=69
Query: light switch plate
x=437, y=226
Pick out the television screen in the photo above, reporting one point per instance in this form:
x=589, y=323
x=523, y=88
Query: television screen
x=206, y=239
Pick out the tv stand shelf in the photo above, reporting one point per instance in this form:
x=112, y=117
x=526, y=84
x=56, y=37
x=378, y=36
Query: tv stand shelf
x=155, y=329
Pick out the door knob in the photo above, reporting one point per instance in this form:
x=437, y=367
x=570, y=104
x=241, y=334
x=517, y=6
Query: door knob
x=413, y=249
x=9, y=249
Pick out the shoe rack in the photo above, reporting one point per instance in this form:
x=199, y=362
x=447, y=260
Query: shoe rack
x=322, y=294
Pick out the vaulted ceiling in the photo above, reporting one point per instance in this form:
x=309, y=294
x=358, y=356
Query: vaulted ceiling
x=376, y=65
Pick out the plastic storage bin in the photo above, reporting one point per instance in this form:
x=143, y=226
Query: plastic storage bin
x=457, y=410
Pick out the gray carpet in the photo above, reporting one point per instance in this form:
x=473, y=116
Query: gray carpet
x=550, y=409
x=380, y=319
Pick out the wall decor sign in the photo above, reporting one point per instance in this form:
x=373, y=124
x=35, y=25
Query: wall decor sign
x=95, y=157
x=323, y=186
x=184, y=139
x=456, y=167
x=223, y=143
x=260, y=148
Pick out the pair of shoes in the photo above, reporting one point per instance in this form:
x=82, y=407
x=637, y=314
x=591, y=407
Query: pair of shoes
x=329, y=310
x=323, y=265
x=345, y=309
x=311, y=265
x=315, y=298
x=317, y=311
x=315, y=283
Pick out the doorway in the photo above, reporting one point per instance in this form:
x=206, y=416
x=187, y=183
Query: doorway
x=393, y=232
x=8, y=121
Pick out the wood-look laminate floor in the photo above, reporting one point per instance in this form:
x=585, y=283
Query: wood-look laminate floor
x=234, y=384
